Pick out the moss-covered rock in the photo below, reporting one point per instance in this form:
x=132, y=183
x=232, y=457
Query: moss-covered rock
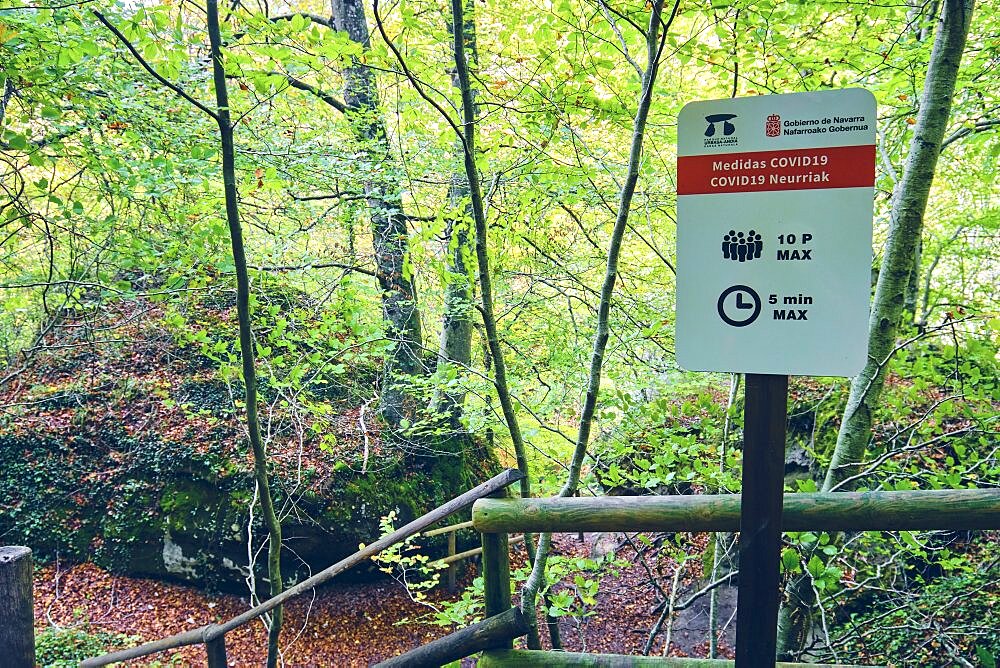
x=166, y=510
x=136, y=459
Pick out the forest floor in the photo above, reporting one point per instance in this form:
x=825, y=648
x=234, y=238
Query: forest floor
x=356, y=624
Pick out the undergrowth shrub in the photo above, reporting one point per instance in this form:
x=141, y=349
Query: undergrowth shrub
x=67, y=647
x=948, y=621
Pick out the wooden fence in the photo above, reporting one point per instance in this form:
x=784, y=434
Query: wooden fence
x=840, y=511
x=496, y=518
x=452, y=559
x=213, y=636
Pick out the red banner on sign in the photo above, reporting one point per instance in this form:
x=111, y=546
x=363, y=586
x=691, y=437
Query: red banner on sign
x=793, y=169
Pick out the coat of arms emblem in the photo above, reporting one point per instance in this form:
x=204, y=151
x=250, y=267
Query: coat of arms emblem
x=772, y=127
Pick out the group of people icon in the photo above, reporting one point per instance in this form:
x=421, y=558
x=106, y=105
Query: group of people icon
x=740, y=247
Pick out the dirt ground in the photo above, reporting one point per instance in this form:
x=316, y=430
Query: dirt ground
x=357, y=624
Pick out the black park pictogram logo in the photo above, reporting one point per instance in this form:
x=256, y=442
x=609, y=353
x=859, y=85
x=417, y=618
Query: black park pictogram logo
x=727, y=127
x=740, y=247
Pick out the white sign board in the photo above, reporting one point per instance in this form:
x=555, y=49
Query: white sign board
x=774, y=233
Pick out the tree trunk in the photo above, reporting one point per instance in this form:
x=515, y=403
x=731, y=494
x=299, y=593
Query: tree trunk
x=247, y=352
x=908, y=205
x=8, y=92
x=906, y=223
x=456, y=326
x=655, y=35
x=468, y=139
x=912, y=287
x=390, y=238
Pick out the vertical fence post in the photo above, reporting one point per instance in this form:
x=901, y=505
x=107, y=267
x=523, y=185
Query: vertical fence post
x=216, y=651
x=765, y=415
x=496, y=574
x=17, y=616
x=453, y=566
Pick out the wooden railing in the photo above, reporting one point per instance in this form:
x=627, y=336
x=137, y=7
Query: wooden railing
x=496, y=518
x=954, y=509
x=841, y=511
x=213, y=636
x=452, y=558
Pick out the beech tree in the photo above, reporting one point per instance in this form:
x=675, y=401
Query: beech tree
x=909, y=202
x=655, y=36
x=222, y=115
x=381, y=190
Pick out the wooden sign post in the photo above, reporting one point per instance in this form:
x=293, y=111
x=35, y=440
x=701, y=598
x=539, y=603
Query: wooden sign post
x=757, y=599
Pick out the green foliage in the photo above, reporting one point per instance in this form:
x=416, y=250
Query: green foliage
x=417, y=572
x=66, y=647
x=573, y=583
x=665, y=446
x=939, y=416
x=111, y=195
x=931, y=624
x=309, y=354
x=467, y=609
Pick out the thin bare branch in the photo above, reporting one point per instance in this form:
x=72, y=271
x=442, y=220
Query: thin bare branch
x=149, y=68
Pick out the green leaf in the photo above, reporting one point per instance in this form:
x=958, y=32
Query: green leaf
x=807, y=485
x=789, y=560
x=816, y=567
x=17, y=141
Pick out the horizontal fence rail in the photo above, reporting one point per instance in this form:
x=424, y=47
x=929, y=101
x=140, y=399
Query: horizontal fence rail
x=212, y=634
x=451, y=528
x=542, y=659
x=487, y=634
x=961, y=509
x=452, y=558
x=474, y=552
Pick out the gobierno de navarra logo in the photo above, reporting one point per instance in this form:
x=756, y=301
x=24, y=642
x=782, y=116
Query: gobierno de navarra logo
x=772, y=126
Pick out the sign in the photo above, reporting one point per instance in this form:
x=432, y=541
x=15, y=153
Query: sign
x=774, y=233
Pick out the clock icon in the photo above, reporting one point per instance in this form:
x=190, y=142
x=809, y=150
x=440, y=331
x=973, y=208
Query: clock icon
x=739, y=305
